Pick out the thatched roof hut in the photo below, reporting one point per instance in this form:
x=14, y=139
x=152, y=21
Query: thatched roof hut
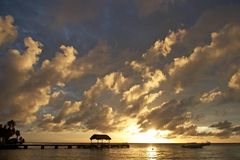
x=100, y=137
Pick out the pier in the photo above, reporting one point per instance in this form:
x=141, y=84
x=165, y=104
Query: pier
x=7, y=141
x=65, y=146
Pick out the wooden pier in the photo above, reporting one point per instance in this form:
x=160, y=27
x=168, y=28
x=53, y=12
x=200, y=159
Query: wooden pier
x=65, y=146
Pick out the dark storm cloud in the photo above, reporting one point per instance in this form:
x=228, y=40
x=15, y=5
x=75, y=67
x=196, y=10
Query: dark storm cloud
x=169, y=116
x=227, y=129
x=222, y=125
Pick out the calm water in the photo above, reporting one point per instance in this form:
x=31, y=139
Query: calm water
x=135, y=152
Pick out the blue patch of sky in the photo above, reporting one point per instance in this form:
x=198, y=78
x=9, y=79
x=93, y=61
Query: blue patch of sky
x=119, y=24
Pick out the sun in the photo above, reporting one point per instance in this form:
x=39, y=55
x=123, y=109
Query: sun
x=151, y=136
x=134, y=135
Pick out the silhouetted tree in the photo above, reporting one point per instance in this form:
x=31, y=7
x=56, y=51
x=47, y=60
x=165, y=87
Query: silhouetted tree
x=11, y=124
x=8, y=131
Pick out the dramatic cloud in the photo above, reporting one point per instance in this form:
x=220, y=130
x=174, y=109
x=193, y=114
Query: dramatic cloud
x=222, y=125
x=225, y=129
x=114, y=82
x=205, y=64
x=169, y=116
x=15, y=72
x=175, y=85
x=174, y=116
x=164, y=47
x=8, y=32
x=210, y=96
x=151, y=79
x=93, y=112
x=48, y=117
x=142, y=87
x=223, y=49
x=234, y=82
x=67, y=109
x=26, y=88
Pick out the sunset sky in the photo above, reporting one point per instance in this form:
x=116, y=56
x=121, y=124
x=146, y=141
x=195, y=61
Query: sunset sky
x=157, y=71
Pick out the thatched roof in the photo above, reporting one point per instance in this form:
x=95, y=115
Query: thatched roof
x=100, y=137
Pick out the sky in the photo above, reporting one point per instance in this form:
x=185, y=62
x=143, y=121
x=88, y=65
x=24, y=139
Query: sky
x=149, y=71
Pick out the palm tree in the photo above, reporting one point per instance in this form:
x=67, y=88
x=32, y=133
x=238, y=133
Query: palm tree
x=11, y=124
x=8, y=131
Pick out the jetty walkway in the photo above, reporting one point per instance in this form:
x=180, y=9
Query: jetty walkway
x=65, y=146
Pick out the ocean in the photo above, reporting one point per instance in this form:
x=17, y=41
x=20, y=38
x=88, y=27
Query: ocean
x=135, y=152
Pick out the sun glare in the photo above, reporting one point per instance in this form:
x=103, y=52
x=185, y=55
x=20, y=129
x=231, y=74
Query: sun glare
x=150, y=136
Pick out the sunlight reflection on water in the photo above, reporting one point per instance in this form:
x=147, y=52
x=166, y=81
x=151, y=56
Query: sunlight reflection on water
x=151, y=153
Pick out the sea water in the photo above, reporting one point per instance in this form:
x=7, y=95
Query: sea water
x=135, y=152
